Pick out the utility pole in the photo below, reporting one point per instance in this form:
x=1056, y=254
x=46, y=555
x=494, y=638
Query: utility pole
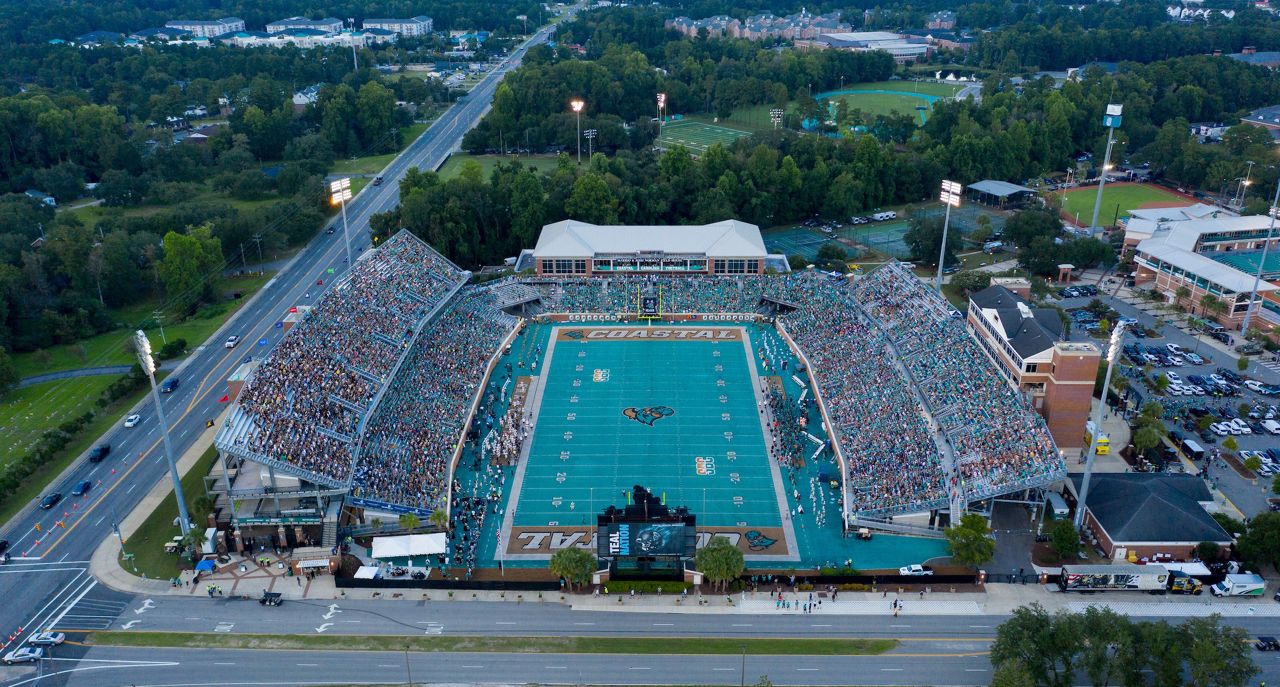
x=1266, y=246
x=1111, y=120
x=355, y=64
x=148, y=364
x=158, y=316
x=1113, y=353
x=257, y=238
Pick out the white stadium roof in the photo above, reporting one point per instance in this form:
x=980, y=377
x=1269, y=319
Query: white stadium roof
x=573, y=239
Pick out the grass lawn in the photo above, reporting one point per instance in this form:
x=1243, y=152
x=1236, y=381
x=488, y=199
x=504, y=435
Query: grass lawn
x=540, y=163
x=1117, y=200
x=107, y=418
x=91, y=215
x=532, y=645
x=109, y=348
x=147, y=544
x=372, y=164
x=26, y=413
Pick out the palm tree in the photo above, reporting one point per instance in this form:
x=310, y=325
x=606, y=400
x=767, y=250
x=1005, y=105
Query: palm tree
x=438, y=518
x=409, y=521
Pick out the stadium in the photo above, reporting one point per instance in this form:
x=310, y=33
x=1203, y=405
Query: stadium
x=784, y=411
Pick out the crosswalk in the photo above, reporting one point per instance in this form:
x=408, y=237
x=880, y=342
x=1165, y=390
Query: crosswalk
x=91, y=614
x=1272, y=365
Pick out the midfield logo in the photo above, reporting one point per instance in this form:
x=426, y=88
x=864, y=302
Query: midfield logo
x=648, y=416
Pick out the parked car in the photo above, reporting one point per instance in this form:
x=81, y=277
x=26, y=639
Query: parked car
x=1268, y=643
x=915, y=570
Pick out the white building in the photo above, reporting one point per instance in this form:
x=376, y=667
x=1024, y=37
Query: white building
x=415, y=26
x=570, y=247
x=207, y=28
x=328, y=24
x=903, y=48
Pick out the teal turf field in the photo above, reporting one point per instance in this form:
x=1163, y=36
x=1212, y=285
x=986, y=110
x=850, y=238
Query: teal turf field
x=693, y=433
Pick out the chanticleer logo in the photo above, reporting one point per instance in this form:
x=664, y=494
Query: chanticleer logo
x=648, y=416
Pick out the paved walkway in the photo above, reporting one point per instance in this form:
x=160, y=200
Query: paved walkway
x=88, y=372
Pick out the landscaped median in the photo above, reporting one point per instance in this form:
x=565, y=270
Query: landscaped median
x=530, y=645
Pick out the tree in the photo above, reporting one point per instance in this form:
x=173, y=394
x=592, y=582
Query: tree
x=970, y=540
x=1217, y=655
x=1045, y=645
x=1260, y=543
x=1182, y=293
x=409, y=521
x=1208, y=551
x=592, y=200
x=1230, y=444
x=8, y=373
x=1275, y=484
x=377, y=524
x=924, y=238
x=970, y=281
x=720, y=561
x=1162, y=382
x=1064, y=538
x=1146, y=438
x=191, y=265
x=1027, y=226
x=1252, y=463
x=438, y=518
x=1012, y=674
x=575, y=565
x=1107, y=650
x=1242, y=363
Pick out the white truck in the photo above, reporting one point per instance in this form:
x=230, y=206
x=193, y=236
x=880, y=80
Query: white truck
x=1240, y=585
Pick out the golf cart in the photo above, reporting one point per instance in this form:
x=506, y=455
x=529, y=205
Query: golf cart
x=270, y=598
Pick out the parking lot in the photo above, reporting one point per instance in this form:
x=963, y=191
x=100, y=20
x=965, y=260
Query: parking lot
x=1190, y=366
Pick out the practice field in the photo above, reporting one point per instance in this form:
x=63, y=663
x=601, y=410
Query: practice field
x=1117, y=200
x=885, y=97
x=697, y=136
x=675, y=411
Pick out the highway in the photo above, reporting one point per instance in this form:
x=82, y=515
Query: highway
x=51, y=548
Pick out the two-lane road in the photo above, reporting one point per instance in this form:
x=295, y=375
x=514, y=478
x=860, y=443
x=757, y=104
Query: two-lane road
x=51, y=548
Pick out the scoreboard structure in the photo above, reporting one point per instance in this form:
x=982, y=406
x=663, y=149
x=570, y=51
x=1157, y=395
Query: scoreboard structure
x=648, y=304
x=645, y=538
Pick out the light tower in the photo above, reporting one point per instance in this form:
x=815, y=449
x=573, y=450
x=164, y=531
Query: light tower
x=1113, y=353
x=590, y=135
x=950, y=197
x=1111, y=120
x=341, y=193
x=576, y=105
x=662, y=105
x=143, y=347
x=775, y=116
x=1266, y=247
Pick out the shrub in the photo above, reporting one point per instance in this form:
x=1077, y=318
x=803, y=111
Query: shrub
x=647, y=587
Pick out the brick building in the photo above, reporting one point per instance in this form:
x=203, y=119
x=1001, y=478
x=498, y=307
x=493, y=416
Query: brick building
x=1058, y=376
x=1145, y=514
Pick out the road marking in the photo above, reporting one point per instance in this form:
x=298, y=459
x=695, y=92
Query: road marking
x=99, y=521
x=130, y=489
x=819, y=626
x=975, y=670
x=637, y=668
x=983, y=626
x=722, y=668
x=472, y=666
x=307, y=665
x=742, y=624
x=663, y=624
x=556, y=667
x=223, y=663
x=891, y=670
x=899, y=626
x=388, y=665
x=505, y=622
x=584, y=624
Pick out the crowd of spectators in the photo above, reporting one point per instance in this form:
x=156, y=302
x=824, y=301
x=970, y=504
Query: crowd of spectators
x=304, y=402
x=416, y=429
x=999, y=440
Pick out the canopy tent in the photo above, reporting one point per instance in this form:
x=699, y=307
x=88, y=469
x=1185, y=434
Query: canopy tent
x=314, y=563
x=204, y=565
x=367, y=572
x=408, y=545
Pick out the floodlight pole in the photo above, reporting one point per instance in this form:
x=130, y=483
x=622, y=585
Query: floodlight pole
x=1111, y=120
x=143, y=346
x=346, y=235
x=1117, y=336
x=341, y=190
x=1257, y=277
x=942, y=252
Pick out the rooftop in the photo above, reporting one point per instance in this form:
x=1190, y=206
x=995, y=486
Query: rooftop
x=1153, y=508
x=730, y=238
x=999, y=188
x=1176, y=244
x=1029, y=330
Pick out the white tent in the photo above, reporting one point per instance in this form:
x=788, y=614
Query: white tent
x=367, y=572
x=408, y=545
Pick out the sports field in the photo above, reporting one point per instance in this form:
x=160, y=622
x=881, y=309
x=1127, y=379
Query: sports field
x=885, y=97
x=697, y=136
x=1117, y=200
x=675, y=412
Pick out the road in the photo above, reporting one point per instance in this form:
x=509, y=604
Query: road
x=51, y=548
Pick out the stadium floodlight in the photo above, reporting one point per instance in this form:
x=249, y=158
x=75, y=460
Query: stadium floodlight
x=1113, y=354
x=576, y=105
x=1266, y=247
x=590, y=135
x=143, y=347
x=950, y=197
x=1111, y=120
x=662, y=105
x=775, y=116
x=340, y=190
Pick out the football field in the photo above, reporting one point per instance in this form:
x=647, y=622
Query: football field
x=1117, y=200
x=697, y=136
x=671, y=408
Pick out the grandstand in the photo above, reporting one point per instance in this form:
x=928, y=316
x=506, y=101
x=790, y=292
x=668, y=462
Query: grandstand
x=405, y=391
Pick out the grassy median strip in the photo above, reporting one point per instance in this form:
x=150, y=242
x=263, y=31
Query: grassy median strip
x=530, y=645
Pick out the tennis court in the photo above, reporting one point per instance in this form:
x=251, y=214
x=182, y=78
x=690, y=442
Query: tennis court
x=795, y=241
x=964, y=218
x=677, y=416
x=697, y=136
x=882, y=237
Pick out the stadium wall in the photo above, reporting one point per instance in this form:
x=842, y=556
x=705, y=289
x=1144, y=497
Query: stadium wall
x=475, y=404
x=833, y=435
